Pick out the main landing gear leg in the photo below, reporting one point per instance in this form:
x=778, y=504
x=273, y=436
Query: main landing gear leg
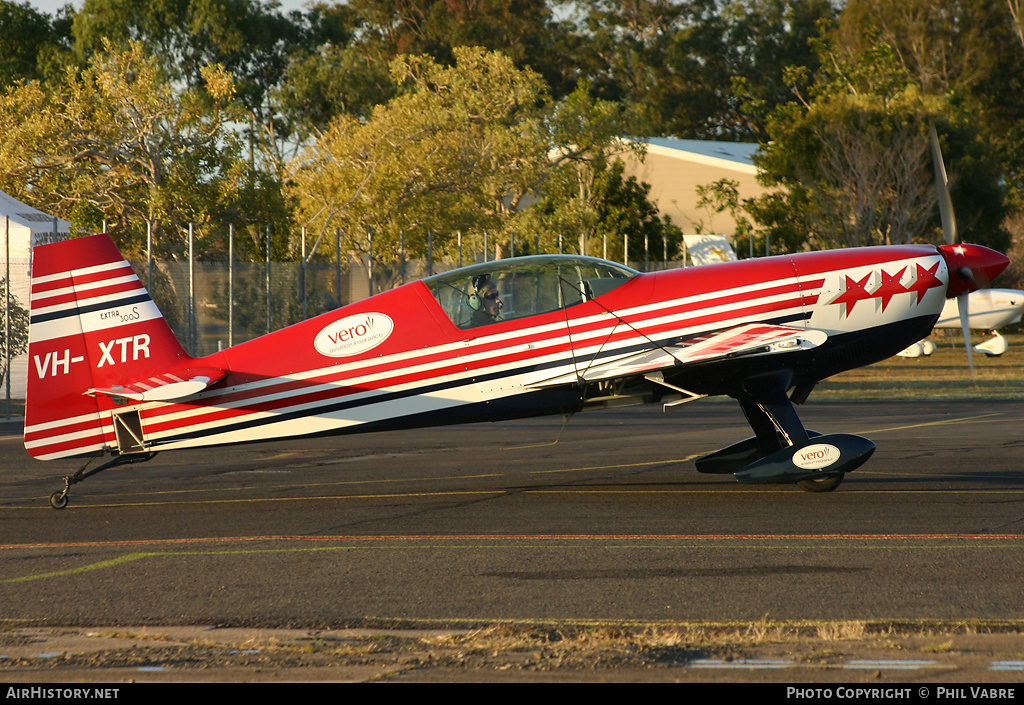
x=782, y=450
x=776, y=426
x=774, y=421
x=59, y=500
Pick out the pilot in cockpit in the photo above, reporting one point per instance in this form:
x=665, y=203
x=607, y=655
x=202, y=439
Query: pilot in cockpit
x=485, y=301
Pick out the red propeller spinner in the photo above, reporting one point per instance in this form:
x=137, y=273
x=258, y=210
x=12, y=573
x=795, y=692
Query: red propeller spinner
x=971, y=267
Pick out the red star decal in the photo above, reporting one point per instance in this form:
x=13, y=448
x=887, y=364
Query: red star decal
x=926, y=280
x=855, y=291
x=890, y=287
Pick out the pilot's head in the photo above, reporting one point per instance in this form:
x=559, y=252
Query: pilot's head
x=486, y=297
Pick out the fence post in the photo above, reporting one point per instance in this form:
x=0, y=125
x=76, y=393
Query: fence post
x=430, y=253
x=268, y=278
x=231, y=284
x=302, y=278
x=337, y=262
x=193, y=329
x=369, y=266
x=7, y=314
x=149, y=256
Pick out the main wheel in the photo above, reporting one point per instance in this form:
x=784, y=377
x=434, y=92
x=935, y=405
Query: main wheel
x=59, y=500
x=823, y=484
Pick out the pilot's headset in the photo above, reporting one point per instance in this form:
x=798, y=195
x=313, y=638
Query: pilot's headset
x=480, y=282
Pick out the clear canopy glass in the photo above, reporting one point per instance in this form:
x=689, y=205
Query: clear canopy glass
x=508, y=289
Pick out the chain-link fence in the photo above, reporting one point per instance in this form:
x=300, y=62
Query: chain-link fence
x=211, y=306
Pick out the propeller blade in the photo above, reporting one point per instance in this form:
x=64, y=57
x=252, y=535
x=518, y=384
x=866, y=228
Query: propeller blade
x=965, y=326
x=946, y=214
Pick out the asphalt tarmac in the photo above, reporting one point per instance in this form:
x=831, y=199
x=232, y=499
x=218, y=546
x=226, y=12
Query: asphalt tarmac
x=527, y=527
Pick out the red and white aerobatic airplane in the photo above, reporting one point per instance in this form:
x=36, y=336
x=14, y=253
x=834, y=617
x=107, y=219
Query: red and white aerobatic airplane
x=107, y=375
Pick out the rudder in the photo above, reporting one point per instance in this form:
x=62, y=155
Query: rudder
x=93, y=326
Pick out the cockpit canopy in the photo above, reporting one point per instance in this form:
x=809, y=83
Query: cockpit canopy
x=526, y=286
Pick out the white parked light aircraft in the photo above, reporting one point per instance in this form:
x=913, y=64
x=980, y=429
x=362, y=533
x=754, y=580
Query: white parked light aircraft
x=988, y=310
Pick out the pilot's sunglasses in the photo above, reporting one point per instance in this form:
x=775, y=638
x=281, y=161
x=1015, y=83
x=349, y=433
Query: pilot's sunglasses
x=491, y=296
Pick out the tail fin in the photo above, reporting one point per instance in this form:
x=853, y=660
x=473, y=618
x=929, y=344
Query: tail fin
x=94, y=330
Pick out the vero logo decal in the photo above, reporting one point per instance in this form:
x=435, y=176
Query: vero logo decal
x=353, y=335
x=820, y=455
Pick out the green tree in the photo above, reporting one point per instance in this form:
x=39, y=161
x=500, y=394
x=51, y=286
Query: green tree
x=526, y=31
x=118, y=142
x=695, y=68
x=252, y=40
x=625, y=212
x=758, y=40
x=628, y=49
x=457, y=150
x=330, y=82
x=344, y=66
x=18, y=326
x=853, y=162
x=970, y=51
x=26, y=35
x=723, y=196
x=584, y=199
x=943, y=44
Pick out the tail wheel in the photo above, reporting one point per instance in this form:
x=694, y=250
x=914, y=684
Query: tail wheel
x=823, y=484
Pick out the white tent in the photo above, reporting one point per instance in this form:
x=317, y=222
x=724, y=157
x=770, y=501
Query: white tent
x=23, y=228
x=709, y=249
x=29, y=226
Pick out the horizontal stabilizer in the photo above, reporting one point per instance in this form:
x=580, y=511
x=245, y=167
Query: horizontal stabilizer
x=747, y=339
x=166, y=387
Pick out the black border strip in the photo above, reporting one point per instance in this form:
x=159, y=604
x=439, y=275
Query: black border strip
x=385, y=397
x=79, y=310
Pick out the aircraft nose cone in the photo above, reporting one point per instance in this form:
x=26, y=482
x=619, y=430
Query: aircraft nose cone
x=971, y=267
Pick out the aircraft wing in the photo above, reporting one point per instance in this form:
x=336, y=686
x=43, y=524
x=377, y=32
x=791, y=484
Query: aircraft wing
x=747, y=339
x=167, y=386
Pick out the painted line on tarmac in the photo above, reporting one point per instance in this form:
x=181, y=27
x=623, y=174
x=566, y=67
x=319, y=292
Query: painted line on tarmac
x=621, y=466
x=284, y=486
x=356, y=538
x=185, y=502
x=415, y=543
x=81, y=569
x=944, y=422
x=744, y=663
x=770, y=664
x=343, y=483
x=711, y=489
x=1006, y=666
x=890, y=664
